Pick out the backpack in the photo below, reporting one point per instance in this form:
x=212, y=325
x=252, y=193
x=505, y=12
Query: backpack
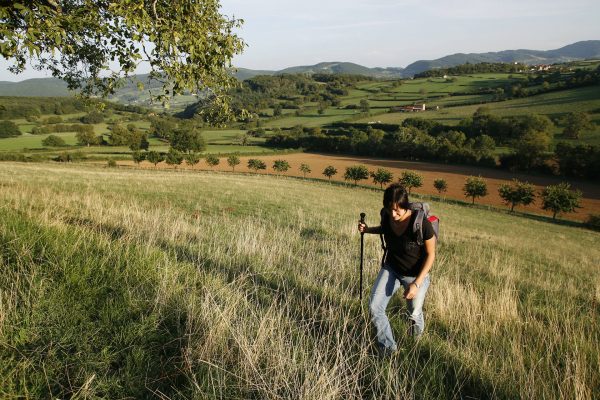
x=422, y=210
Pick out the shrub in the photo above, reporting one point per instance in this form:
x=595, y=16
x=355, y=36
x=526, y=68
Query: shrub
x=53, y=120
x=111, y=163
x=9, y=129
x=64, y=157
x=53, y=141
x=93, y=117
x=594, y=221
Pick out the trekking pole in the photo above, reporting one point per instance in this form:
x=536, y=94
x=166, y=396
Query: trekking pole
x=362, y=246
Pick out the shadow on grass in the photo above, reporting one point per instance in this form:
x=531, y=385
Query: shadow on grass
x=114, y=232
x=426, y=369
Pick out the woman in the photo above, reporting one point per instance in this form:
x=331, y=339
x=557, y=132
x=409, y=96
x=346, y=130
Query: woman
x=406, y=263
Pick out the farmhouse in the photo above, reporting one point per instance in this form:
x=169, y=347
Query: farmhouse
x=413, y=108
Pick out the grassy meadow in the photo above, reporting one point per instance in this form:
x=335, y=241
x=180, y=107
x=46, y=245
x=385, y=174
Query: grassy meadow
x=179, y=285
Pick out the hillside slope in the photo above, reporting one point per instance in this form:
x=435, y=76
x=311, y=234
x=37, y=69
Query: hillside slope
x=123, y=283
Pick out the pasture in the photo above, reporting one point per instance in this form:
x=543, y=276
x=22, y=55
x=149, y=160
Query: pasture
x=129, y=283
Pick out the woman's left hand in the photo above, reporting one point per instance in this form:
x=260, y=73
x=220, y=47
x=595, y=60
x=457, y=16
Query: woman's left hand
x=411, y=292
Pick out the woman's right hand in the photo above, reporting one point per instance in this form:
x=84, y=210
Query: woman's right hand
x=362, y=227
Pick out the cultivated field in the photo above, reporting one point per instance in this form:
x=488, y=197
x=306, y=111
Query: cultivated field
x=454, y=175
x=139, y=283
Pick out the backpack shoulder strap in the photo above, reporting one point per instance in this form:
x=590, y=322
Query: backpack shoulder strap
x=382, y=214
x=418, y=226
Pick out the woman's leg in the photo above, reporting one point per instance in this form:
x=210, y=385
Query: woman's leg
x=415, y=305
x=384, y=288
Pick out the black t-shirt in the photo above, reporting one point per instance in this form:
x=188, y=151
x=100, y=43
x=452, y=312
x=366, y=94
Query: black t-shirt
x=403, y=252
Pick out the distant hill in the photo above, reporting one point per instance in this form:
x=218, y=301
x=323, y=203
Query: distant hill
x=245, y=73
x=129, y=93
x=576, y=51
x=37, y=87
x=337, y=67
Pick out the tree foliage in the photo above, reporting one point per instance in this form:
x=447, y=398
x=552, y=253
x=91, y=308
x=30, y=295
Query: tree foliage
x=53, y=141
x=576, y=123
x=330, y=171
x=305, y=169
x=440, y=185
x=517, y=193
x=138, y=156
x=410, y=179
x=582, y=161
x=174, y=157
x=187, y=139
x=233, y=160
x=162, y=127
x=382, y=176
x=155, y=157
x=560, y=199
x=475, y=187
x=9, y=129
x=281, y=166
x=187, y=44
x=192, y=159
x=212, y=160
x=356, y=173
x=86, y=138
x=256, y=164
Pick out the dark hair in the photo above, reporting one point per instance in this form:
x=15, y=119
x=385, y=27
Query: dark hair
x=396, y=194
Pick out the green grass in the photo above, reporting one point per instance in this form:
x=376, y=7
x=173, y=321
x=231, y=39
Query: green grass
x=28, y=141
x=311, y=118
x=129, y=284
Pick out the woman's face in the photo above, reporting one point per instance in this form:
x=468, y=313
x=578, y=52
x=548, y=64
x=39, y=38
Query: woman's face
x=397, y=213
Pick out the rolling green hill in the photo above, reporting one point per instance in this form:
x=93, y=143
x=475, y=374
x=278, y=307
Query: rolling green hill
x=128, y=284
x=130, y=94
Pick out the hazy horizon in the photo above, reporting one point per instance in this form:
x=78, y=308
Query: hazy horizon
x=394, y=33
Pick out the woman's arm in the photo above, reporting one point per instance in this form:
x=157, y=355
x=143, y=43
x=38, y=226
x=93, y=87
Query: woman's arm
x=430, y=250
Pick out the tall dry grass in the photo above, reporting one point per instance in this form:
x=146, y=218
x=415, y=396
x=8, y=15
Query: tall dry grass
x=206, y=285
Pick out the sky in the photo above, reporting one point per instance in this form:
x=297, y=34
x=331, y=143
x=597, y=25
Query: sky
x=395, y=33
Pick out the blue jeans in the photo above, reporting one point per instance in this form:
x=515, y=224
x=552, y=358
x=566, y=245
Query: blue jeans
x=386, y=284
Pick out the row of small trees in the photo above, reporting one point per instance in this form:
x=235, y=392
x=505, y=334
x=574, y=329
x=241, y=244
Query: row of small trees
x=555, y=198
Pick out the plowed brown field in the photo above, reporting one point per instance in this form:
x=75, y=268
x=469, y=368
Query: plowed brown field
x=454, y=175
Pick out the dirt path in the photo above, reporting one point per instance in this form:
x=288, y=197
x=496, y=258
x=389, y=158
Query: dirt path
x=454, y=175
